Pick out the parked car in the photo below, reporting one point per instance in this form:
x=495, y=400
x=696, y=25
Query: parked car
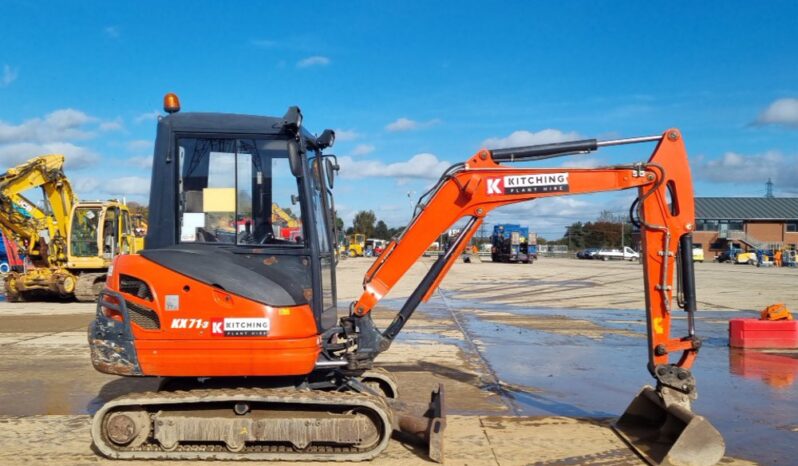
x=588, y=253
x=628, y=254
x=726, y=256
x=738, y=256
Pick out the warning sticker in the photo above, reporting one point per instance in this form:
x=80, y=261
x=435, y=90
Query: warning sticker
x=520, y=184
x=240, y=327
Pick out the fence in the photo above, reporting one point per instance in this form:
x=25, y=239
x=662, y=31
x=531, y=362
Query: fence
x=553, y=250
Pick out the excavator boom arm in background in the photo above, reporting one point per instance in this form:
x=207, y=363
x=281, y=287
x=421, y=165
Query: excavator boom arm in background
x=23, y=220
x=44, y=233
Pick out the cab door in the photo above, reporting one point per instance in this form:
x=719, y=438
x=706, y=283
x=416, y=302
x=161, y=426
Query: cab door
x=322, y=219
x=111, y=232
x=126, y=245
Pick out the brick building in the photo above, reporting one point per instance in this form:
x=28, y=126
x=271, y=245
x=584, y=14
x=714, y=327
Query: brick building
x=746, y=222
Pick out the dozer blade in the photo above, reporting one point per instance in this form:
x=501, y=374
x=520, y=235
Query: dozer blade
x=423, y=423
x=668, y=434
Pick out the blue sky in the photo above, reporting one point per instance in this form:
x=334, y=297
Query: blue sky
x=411, y=87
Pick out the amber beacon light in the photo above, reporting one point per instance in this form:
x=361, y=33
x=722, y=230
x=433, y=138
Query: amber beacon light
x=171, y=104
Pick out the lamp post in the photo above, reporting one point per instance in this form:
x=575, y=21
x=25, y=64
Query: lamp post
x=410, y=199
x=623, y=225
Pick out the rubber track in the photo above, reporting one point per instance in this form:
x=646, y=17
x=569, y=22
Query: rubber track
x=153, y=451
x=84, y=287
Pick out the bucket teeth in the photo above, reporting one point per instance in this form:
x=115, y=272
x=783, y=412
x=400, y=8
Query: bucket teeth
x=668, y=434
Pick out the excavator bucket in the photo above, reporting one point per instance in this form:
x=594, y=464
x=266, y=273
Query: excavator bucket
x=668, y=435
x=423, y=423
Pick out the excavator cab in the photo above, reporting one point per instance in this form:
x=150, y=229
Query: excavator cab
x=237, y=284
x=251, y=209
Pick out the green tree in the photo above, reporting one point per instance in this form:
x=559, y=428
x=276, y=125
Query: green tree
x=339, y=223
x=381, y=231
x=364, y=222
x=138, y=209
x=574, y=236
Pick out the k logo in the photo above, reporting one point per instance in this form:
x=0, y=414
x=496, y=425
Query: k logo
x=494, y=186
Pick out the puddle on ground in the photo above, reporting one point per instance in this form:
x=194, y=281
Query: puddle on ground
x=750, y=396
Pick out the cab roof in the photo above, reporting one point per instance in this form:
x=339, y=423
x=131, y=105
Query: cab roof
x=226, y=123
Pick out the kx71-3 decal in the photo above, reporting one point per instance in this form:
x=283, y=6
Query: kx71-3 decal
x=228, y=326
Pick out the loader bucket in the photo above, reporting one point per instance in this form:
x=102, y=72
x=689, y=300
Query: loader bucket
x=423, y=423
x=668, y=435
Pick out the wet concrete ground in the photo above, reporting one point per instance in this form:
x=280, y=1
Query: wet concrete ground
x=589, y=364
x=530, y=378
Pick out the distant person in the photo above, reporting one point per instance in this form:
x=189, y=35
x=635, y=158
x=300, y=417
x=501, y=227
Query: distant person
x=777, y=258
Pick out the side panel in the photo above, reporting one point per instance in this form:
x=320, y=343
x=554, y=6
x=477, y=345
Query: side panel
x=201, y=330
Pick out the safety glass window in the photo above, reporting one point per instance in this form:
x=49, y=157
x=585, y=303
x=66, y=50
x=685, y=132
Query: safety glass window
x=318, y=191
x=85, y=230
x=238, y=191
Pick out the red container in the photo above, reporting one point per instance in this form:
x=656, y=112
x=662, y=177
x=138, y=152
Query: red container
x=754, y=333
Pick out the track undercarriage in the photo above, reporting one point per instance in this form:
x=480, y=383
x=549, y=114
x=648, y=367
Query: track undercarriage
x=349, y=420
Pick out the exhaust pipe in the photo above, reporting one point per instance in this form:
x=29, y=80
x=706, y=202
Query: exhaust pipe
x=422, y=423
x=669, y=434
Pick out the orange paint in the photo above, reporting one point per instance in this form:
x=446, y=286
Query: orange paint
x=186, y=344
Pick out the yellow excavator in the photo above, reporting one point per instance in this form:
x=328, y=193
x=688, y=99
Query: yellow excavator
x=68, y=244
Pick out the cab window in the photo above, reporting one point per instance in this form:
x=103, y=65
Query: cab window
x=85, y=228
x=238, y=191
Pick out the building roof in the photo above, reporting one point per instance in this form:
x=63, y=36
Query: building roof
x=746, y=208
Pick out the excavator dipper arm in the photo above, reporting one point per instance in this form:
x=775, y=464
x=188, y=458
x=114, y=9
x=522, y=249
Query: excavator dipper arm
x=664, y=213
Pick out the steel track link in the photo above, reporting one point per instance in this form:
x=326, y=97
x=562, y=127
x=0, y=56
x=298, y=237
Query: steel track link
x=152, y=450
x=84, y=287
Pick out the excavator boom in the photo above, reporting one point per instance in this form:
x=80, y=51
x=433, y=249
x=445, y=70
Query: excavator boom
x=28, y=224
x=664, y=212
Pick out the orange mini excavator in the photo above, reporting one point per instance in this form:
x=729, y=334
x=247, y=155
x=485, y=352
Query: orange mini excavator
x=242, y=323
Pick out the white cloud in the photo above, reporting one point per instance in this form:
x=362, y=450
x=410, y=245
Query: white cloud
x=406, y=124
x=84, y=184
x=316, y=60
x=780, y=112
x=128, y=186
x=346, y=135
x=142, y=161
x=125, y=186
x=55, y=132
x=60, y=125
x=148, y=116
x=423, y=166
x=362, y=149
x=582, y=162
x=76, y=157
x=9, y=75
x=755, y=169
x=528, y=138
x=112, y=31
x=139, y=145
x=112, y=125
x=67, y=118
